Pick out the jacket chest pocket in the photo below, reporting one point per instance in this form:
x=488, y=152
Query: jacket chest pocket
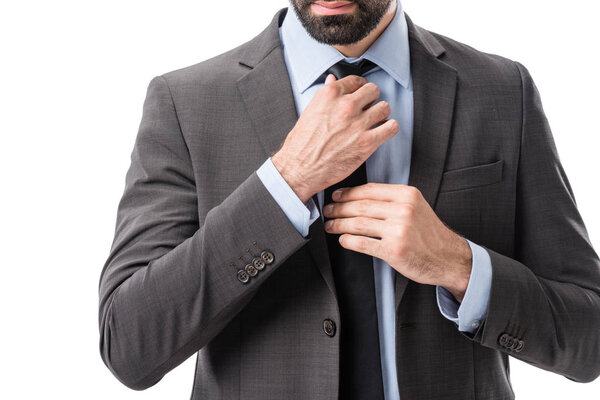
x=470, y=197
x=472, y=177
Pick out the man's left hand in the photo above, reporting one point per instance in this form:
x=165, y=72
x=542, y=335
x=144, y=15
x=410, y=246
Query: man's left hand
x=396, y=224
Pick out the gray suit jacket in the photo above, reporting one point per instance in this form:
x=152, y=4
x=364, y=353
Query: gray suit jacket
x=484, y=158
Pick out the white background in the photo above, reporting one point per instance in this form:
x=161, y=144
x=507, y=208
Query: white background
x=74, y=77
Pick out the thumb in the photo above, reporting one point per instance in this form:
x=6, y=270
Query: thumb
x=330, y=78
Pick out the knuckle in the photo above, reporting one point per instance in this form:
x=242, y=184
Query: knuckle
x=402, y=233
x=346, y=107
x=377, y=91
x=392, y=127
x=413, y=193
x=361, y=207
x=336, y=210
x=364, y=141
x=360, y=224
x=373, y=87
x=384, y=110
x=369, y=187
x=356, y=243
x=330, y=90
x=358, y=80
x=406, y=210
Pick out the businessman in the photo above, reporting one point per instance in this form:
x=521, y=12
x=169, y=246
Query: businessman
x=348, y=206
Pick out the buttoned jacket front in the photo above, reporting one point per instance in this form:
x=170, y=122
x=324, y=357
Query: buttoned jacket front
x=194, y=213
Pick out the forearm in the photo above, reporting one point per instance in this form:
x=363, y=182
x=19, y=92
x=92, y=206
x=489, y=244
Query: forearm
x=169, y=308
x=169, y=286
x=301, y=215
x=557, y=322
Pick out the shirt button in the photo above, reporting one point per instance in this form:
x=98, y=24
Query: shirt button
x=475, y=324
x=329, y=327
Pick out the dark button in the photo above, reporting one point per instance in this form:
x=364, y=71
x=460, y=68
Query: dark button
x=515, y=344
x=243, y=276
x=510, y=342
x=520, y=346
x=267, y=257
x=503, y=339
x=251, y=270
x=329, y=327
x=258, y=263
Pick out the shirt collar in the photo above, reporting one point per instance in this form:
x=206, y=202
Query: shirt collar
x=309, y=59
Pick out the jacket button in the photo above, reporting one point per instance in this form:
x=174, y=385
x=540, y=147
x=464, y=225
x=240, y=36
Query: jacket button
x=267, y=256
x=520, y=346
x=258, y=263
x=329, y=327
x=510, y=342
x=515, y=344
x=503, y=339
x=251, y=270
x=243, y=276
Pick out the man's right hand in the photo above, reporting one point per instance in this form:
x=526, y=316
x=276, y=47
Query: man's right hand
x=334, y=135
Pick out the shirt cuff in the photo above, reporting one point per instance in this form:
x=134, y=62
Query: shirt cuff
x=469, y=314
x=300, y=215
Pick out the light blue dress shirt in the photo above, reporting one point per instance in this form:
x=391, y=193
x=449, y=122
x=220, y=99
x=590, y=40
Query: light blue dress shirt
x=306, y=61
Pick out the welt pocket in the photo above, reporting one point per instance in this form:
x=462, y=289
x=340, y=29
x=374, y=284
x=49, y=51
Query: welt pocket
x=471, y=177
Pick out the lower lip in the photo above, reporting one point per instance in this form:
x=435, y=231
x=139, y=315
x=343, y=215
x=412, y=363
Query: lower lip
x=332, y=11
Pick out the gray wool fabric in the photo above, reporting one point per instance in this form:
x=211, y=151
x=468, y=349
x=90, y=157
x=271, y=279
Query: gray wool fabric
x=483, y=157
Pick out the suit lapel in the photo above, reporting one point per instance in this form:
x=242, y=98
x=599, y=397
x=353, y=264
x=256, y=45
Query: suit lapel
x=267, y=94
x=434, y=89
x=269, y=100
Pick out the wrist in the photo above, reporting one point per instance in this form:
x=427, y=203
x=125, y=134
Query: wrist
x=461, y=273
x=291, y=176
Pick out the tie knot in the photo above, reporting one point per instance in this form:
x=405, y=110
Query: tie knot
x=343, y=68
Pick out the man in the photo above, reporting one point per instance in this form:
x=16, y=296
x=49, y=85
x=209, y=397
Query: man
x=464, y=247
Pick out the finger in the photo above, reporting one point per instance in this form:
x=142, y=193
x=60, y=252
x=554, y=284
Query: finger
x=356, y=225
x=365, y=95
x=361, y=208
x=349, y=84
x=330, y=78
x=379, y=191
x=362, y=244
x=384, y=131
x=376, y=113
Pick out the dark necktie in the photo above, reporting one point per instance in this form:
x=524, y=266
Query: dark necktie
x=360, y=362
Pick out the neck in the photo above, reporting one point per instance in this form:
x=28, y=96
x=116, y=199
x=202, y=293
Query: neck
x=355, y=50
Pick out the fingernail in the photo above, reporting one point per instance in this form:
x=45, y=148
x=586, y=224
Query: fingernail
x=328, y=224
x=337, y=194
x=328, y=208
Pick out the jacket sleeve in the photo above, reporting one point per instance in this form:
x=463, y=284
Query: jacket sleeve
x=300, y=215
x=169, y=286
x=544, y=305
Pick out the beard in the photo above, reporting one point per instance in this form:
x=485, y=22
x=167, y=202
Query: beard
x=341, y=29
